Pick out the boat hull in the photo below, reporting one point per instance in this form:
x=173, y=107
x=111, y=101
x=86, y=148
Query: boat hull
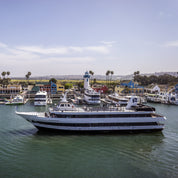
x=40, y=121
x=13, y=103
x=97, y=131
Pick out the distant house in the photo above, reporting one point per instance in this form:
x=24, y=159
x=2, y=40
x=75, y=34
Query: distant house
x=41, y=86
x=44, y=86
x=155, y=89
x=100, y=88
x=53, y=88
x=50, y=88
x=60, y=88
x=130, y=87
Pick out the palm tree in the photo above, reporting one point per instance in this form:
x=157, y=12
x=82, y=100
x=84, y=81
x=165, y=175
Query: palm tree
x=107, y=76
x=8, y=73
x=112, y=72
x=92, y=73
x=3, y=74
x=28, y=75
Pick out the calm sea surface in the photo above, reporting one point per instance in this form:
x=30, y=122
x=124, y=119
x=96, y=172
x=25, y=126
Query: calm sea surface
x=25, y=152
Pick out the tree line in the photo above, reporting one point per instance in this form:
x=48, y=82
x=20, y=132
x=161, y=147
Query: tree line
x=6, y=80
x=147, y=80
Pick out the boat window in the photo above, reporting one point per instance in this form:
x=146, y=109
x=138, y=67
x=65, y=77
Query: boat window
x=103, y=115
x=62, y=105
x=134, y=100
x=40, y=96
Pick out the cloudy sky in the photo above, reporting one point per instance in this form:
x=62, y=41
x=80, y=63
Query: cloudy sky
x=56, y=37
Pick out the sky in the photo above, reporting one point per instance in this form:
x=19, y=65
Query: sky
x=68, y=37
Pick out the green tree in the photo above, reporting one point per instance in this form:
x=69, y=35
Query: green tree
x=8, y=73
x=68, y=85
x=3, y=74
x=80, y=85
x=28, y=75
x=53, y=80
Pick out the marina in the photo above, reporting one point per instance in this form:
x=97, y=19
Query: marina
x=50, y=154
x=88, y=89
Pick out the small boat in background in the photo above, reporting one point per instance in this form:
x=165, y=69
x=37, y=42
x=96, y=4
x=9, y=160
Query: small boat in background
x=3, y=101
x=17, y=100
x=42, y=99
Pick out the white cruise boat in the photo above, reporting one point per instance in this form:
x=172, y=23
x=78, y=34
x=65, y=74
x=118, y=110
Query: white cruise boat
x=118, y=99
x=90, y=95
x=17, y=100
x=66, y=117
x=41, y=99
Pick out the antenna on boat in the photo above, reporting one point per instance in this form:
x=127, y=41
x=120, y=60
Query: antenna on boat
x=64, y=99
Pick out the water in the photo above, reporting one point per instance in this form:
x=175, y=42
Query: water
x=25, y=152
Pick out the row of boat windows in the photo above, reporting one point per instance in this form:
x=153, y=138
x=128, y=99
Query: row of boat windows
x=65, y=105
x=98, y=124
x=36, y=100
x=40, y=96
x=93, y=96
x=94, y=99
x=100, y=115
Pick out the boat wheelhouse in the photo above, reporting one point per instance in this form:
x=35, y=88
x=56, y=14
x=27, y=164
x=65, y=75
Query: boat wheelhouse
x=41, y=99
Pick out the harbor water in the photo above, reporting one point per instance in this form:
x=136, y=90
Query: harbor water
x=26, y=152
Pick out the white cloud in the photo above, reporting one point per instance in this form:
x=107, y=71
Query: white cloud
x=67, y=50
x=2, y=45
x=98, y=49
x=76, y=49
x=108, y=43
x=43, y=50
x=75, y=53
x=171, y=44
x=19, y=59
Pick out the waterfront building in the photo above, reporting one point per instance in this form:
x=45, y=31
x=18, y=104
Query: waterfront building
x=10, y=89
x=60, y=88
x=56, y=88
x=128, y=88
x=100, y=88
x=53, y=88
x=50, y=88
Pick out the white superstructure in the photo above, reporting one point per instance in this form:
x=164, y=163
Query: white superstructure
x=118, y=99
x=17, y=100
x=66, y=117
x=90, y=95
x=41, y=99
